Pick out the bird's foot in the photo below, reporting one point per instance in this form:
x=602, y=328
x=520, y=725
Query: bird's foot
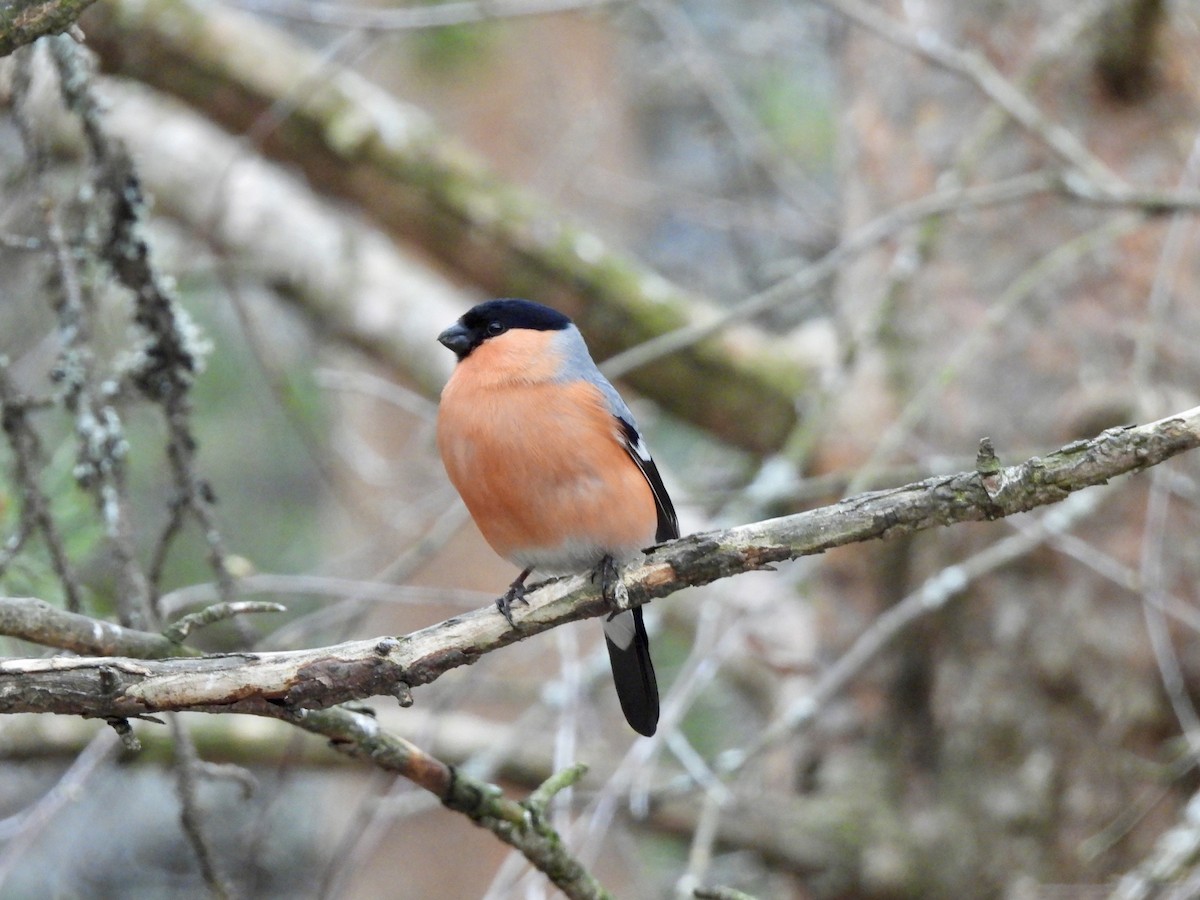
x=515, y=594
x=616, y=595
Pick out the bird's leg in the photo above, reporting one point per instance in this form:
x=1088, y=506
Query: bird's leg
x=615, y=593
x=514, y=594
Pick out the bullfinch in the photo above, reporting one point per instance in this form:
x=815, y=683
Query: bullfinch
x=552, y=468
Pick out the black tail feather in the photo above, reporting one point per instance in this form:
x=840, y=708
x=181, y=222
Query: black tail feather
x=633, y=672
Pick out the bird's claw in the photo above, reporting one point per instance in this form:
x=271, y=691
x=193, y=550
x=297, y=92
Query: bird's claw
x=616, y=595
x=514, y=594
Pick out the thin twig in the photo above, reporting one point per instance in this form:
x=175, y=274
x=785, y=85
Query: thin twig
x=23, y=437
x=177, y=632
x=388, y=798
x=101, y=459
x=172, y=350
x=740, y=123
x=1174, y=250
x=1019, y=290
x=26, y=449
x=812, y=276
x=187, y=764
x=181, y=598
x=976, y=68
x=1153, y=581
x=955, y=199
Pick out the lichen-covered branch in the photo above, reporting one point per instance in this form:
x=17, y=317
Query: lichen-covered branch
x=24, y=21
x=349, y=278
x=521, y=825
x=359, y=142
x=264, y=683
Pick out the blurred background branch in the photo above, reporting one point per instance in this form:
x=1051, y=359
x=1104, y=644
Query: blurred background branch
x=362, y=145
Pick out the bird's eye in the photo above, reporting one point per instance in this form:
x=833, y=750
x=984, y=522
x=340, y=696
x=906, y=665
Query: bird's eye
x=495, y=328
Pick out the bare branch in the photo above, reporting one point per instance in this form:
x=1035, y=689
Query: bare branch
x=265, y=683
x=171, y=349
x=750, y=818
x=933, y=595
x=22, y=436
x=741, y=123
x=35, y=620
x=811, y=277
x=953, y=199
x=347, y=277
x=1022, y=287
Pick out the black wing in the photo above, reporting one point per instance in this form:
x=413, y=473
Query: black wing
x=668, y=522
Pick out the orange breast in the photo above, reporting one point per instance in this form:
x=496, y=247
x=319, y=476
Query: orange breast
x=542, y=471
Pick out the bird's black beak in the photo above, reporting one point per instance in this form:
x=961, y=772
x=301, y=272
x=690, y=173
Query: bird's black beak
x=456, y=338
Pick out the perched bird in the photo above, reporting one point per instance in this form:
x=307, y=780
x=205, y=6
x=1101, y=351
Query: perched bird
x=551, y=465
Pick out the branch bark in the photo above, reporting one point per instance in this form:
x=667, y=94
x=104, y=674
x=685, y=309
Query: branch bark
x=279, y=683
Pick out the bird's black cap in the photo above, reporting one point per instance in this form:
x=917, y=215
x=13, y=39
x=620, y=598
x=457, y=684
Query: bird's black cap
x=487, y=320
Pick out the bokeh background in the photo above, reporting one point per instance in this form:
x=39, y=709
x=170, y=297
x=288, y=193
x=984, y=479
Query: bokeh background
x=877, y=232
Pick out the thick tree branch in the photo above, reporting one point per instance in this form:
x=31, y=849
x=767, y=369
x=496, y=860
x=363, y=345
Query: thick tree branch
x=356, y=141
x=281, y=682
